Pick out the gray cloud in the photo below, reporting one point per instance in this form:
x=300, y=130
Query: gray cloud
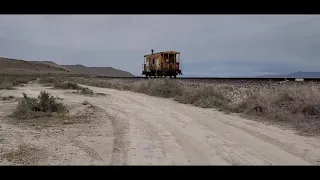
x=212, y=45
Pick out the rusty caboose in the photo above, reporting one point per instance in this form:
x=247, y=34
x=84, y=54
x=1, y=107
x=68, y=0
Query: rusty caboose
x=162, y=64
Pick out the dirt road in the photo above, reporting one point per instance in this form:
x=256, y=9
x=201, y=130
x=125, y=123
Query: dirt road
x=136, y=129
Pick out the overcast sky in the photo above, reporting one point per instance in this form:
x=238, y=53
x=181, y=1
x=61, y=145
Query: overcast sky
x=211, y=45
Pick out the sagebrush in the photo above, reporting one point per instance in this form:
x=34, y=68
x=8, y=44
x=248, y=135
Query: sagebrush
x=73, y=86
x=8, y=81
x=45, y=105
x=6, y=85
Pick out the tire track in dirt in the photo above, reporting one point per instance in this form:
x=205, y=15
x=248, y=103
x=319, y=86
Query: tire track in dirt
x=216, y=148
x=245, y=139
x=232, y=152
x=171, y=151
x=302, y=153
x=120, y=126
x=121, y=142
x=198, y=152
x=152, y=135
x=284, y=146
x=79, y=142
x=87, y=149
x=149, y=130
x=194, y=151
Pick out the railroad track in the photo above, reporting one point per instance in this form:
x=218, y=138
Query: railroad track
x=219, y=78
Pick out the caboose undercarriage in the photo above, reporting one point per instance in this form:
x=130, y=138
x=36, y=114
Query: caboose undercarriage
x=162, y=73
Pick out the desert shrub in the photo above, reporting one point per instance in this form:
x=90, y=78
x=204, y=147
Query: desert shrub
x=74, y=86
x=91, y=82
x=298, y=106
x=164, y=88
x=302, y=100
x=16, y=80
x=85, y=102
x=101, y=94
x=6, y=85
x=66, y=85
x=206, y=97
x=7, y=98
x=44, y=105
x=86, y=91
x=47, y=80
x=22, y=80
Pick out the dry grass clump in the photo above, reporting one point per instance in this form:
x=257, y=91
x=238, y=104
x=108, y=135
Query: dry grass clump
x=161, y=88
x=298, y=106
x=47, y=80
x=23, y=154
x=206, y=97
x=6, y=98
x=66, y=85
x=8, y=81
x=86, y=90
x=6, y=85
x=114, y=84
x=74, y=86
x=43, y=106
x=85, y=102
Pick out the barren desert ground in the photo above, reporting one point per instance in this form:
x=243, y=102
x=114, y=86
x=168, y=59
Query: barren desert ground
x=127, y=128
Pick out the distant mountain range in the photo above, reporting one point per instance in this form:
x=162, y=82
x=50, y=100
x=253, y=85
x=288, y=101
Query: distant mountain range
x=9, y=65
x=298, y=74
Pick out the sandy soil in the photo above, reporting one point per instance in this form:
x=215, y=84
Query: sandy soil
x=135, y=129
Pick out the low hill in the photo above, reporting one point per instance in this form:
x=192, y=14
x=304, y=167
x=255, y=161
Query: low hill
x=51, y=63
x=304, y=75
x=102, y=71
x=8, y=65
x=298, y=74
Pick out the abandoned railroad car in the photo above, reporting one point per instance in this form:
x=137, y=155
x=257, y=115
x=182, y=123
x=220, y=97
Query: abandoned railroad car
x=162, y=64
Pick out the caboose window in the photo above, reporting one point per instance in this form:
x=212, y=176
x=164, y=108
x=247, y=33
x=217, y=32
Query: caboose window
x=171, y=58
x=165, y=56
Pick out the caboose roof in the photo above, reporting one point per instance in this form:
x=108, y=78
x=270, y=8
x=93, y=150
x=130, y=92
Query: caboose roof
x=164, y=52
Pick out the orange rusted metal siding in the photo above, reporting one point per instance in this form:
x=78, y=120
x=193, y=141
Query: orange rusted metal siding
x=154, y=61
